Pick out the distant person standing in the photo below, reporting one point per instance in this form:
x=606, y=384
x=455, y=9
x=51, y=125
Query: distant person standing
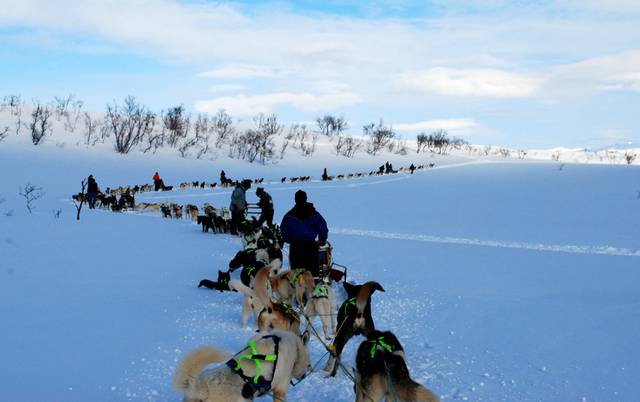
x=325, y=176
x=238, y=205
x=223, y=178
x=266, y=207
x=157, y=182
x=92, y=191
x=412, y=168
x=301, y=226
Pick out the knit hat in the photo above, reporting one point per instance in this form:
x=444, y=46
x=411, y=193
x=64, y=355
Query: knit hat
x=300, y=197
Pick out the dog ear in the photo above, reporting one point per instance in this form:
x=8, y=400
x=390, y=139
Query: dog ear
x=351, y=289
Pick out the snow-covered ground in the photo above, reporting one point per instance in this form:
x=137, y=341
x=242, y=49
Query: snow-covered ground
x=505, y=280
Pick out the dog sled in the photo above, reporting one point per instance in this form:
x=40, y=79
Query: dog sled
x=331, y=270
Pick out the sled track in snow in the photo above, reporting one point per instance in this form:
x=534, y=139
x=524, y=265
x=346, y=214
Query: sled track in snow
x=567, y=248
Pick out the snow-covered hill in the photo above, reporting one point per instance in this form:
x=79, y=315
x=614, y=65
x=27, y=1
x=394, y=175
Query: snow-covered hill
x=506, y=279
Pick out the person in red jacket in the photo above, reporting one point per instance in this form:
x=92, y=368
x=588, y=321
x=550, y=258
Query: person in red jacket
x=157, y=182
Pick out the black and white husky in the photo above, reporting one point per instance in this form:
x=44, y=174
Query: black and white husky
x=382, y=372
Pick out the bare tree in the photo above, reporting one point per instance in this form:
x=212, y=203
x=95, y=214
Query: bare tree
x=267, y=128
x=302, y=139
x=80, y=201
x=4, y=133
x=331, y=125
x=72, y=117
x=347, y=146
x=129, y=124
x=380, y=136
x=40, y=125
x=629, y=157
x=91, y=129
x=176, y=123
x=61, y=105
x=31, y=193
x=401, y=146
x=203, y=129
x=223, y=128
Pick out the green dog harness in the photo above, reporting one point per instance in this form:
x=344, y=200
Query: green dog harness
x=258, y=383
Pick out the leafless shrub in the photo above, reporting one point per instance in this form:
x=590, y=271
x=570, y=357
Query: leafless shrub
x=176, y=123
x=629, y=157
x=72, y=117
x=257, y=144
x=302, y=139
x=504, y=152
x=31, y=193
x=13, y=102
x=91, y=125
x=555, y=156
x=380, y=136
x=222, y=126
x=203, y=129
x=129, y=124
x=401, y=147
x=347, y=146
x=40, y=124
x=267, y=128
x=4, y=133
x=522, y=154
x=56, y=213
x=61, y=105
x=331, y=126
x=79, y=201
x=437, y=142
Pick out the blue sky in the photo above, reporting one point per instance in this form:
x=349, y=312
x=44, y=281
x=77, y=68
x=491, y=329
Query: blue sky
x=513, y=73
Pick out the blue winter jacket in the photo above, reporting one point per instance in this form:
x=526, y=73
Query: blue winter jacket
x=304, y=223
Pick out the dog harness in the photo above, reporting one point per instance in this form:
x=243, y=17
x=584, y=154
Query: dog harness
x=296, y=276
x=257, y=383
x=321, y=292
x=382, y=344
x=349, y=302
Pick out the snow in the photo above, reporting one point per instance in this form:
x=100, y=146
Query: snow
x=505, y=280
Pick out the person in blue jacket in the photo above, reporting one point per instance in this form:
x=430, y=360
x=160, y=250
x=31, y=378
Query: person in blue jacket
x=300, y=227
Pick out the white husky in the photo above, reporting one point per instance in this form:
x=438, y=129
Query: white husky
x=280, y=355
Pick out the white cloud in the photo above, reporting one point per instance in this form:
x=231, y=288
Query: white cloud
x=222, y=88
x=613, y=72
x=489, y=83
x=453, y=125
x=243, y=105
x=241, y=72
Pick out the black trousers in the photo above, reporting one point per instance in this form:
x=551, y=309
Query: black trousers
x=236, y=219
x=304, y=255
x=266, y=216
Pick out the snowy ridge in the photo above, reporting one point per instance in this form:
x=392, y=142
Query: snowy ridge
x=567, y=248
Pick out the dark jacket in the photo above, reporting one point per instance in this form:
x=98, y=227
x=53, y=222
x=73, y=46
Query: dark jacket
x=303, y=223
x=92, y=186
x=265, y=203
x=238, y=200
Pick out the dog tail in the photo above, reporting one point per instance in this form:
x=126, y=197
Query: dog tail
x=186, y=378
x=238, y=286
x=262, y=287
x=412, y=391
